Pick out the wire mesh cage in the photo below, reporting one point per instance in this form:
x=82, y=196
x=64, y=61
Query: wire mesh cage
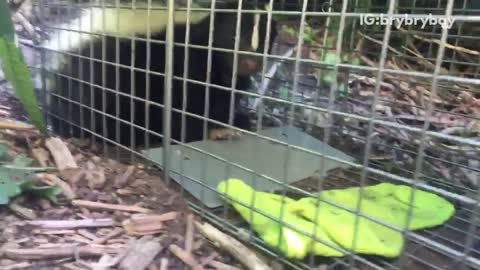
x=297, y=99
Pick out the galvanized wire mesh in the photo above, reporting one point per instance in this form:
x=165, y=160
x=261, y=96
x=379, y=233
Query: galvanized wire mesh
x=409, y=110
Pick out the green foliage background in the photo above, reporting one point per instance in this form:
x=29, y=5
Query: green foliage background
x=16, y=70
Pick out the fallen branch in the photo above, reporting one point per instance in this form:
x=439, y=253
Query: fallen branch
x=108, y=206
x=248, y=258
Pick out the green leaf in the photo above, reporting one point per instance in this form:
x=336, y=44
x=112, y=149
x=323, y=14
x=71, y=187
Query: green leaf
x=11, y=179
x=19, y=75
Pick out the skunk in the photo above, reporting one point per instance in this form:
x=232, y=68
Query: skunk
x=100, y=81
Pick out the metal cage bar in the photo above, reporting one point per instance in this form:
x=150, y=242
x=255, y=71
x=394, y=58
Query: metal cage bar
x=415, y=146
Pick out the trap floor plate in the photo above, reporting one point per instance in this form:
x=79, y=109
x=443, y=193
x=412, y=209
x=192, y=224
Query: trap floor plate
x=263, y=157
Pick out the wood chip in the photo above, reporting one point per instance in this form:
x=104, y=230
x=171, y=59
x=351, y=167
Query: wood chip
x=55, y=253
x=141, y=254
x=144, y=224
x=188, y=259
x=123, y=180
x=62, y=156
x=96, y=178
x=41, y=155
x=73, y=224
x=108, y=206
x=244, y=255
x=72, y=176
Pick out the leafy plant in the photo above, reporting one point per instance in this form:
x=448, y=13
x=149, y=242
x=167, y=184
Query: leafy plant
x=17, y=178
x=15, y=69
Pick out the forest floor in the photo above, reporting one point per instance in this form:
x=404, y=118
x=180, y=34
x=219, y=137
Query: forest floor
x=108, y=215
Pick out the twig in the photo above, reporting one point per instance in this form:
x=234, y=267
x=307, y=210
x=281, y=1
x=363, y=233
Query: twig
x=248, y=258
x=379, y=43
x=185, y=257
x=16, y=126
x=447, y=45
x=110, y=235
x=22, y=211
x=221, y=266
x=209, y=259
x=189, y=234
x=108, y=206
x=163, y=264
x=73, y=224
x=17, y=266
x=55, y=253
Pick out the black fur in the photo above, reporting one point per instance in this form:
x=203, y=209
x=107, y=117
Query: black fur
x=221, y=74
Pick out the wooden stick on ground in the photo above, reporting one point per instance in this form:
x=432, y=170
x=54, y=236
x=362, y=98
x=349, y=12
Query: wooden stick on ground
x=189, y=234
x=72, y=224
x=55, y=253
x=110, y=235
x=221, y=266
x=247, y=257
x=187, y=258
x=14, y=125
x=108, y=206
x=163, y=264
